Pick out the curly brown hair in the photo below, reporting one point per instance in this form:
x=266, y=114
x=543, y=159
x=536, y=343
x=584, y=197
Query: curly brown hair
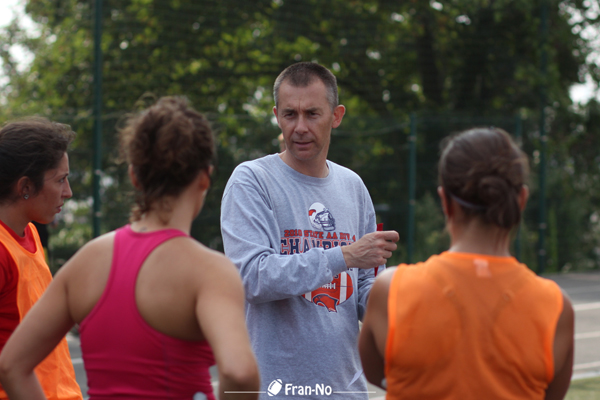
x=167, y=145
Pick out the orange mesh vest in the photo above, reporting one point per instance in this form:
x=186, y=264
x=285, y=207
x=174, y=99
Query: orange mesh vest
x=55, y=373
x=468, y=326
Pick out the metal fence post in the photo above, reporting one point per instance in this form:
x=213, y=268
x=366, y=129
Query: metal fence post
x=97, y=137
x=543, y=142
x=519, y=140
x=412, y=172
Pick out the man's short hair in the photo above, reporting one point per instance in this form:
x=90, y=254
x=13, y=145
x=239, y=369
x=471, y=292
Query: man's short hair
x=303, y=74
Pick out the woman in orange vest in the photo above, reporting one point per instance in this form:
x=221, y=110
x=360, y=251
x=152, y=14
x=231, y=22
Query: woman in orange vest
x=33, y=187
x=472, y=322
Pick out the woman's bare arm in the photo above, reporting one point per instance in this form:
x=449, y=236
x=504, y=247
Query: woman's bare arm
x=220, y=311
x=563, y=352
x=373, y=335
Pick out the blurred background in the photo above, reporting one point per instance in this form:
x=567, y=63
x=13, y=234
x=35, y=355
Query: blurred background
x=410, y=72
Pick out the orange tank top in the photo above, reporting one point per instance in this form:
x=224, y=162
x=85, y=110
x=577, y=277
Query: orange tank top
x=55, y=373
x=469, y=326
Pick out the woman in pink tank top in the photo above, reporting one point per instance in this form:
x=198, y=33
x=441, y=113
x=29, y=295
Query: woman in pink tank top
x=156, y=308
x=471, y=323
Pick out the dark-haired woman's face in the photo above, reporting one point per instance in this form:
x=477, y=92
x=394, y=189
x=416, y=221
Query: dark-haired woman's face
x=49, y=200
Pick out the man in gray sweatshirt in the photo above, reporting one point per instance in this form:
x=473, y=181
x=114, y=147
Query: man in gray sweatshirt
x=302, y=231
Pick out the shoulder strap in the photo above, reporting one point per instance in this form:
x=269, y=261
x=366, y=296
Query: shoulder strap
x=129, y=253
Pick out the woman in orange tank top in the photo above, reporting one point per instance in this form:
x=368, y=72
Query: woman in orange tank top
x=34, y=185
x=472, y=322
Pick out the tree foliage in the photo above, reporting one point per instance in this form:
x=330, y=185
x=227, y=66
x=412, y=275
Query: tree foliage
x=454, y=63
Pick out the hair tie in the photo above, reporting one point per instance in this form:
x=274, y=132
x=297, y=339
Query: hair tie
x=467, y=204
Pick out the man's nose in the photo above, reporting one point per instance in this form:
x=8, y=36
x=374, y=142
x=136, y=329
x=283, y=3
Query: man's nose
x=302, y=126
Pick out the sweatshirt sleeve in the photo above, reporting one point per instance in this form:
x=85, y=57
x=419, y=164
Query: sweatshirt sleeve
x=251, y=238
x=366, y=277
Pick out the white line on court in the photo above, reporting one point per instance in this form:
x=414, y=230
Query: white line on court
x=585, y=375
x=583, y=290
x=78, y=360
x=587, y=335
x=587, y=306
x=594, y=364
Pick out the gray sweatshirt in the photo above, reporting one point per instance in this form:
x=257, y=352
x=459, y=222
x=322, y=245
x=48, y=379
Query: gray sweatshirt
x=283, y=230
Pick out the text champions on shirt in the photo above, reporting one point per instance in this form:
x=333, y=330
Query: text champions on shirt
x=300, y=241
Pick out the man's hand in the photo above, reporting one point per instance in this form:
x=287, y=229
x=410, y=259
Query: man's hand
x=371, y=250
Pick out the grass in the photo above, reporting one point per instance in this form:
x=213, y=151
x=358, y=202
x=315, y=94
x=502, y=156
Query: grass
x=584, y=389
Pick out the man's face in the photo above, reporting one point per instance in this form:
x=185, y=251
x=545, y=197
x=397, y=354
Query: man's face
x=306, y=119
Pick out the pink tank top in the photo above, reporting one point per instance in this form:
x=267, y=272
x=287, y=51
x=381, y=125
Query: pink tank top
x=124, y=357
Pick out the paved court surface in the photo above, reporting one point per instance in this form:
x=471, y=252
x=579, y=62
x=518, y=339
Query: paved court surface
x=584, y=291
x=582, y=288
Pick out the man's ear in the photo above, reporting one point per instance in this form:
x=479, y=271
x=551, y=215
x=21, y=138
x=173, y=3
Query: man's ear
x=338, y=114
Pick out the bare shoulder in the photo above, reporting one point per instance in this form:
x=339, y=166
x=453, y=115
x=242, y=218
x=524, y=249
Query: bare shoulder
x=381, y=287
x=195, y=256
x=384, y=280
x=97, y=246
x=85, y=275
x=386, y=275
x=93, y=254
x=567, y=311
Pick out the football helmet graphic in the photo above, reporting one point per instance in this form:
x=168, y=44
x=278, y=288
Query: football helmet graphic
x=320, y=217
